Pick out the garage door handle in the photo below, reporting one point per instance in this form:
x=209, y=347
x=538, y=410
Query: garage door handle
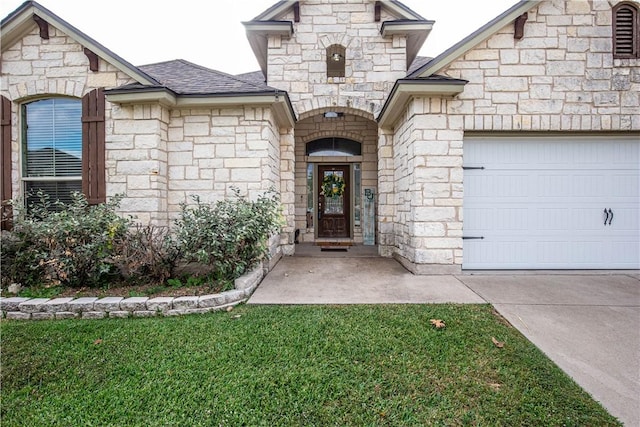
x=606, y=216
x=610, y=216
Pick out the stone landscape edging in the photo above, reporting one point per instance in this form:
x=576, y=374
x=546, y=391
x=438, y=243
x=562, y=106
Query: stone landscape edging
x=19, y=308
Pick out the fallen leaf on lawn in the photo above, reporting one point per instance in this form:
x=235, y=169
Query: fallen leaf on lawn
x=236, y=316
x=439, y=324
x=98, y=341
x=497, y=343
x=495, y=386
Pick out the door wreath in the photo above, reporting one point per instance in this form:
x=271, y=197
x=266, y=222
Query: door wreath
x=333, y=186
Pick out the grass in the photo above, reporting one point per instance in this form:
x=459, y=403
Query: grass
x=271, y=366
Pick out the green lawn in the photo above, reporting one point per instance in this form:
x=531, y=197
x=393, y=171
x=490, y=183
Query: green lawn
x=310, y=365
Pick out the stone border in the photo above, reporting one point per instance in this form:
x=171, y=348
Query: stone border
x=18, y=308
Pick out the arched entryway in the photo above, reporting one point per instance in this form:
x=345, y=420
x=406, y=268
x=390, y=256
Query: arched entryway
x=336, y=177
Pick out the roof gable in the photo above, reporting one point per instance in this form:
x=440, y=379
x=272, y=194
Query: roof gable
x=273, y=21
x=281, y=8
x=22, y=20
x=472, y=40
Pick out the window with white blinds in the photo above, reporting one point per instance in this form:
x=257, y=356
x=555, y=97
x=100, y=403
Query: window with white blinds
x=53, y=147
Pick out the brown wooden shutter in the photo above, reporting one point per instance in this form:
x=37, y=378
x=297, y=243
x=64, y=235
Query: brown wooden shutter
x=93, y=147
x=5, y=162
x=625, y=31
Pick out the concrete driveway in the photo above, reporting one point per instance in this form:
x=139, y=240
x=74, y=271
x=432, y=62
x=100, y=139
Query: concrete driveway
x=588, y=324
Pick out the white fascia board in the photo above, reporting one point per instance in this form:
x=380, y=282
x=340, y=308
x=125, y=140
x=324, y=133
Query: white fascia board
x=161, y=97
x=280, y=28
x=396, y=104
x=282, y=111
x=477, y=37
x=404, y=28
x=258, y=33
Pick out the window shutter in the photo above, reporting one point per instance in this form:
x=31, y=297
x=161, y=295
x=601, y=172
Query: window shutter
x=5, y=162
x=625, y=31
x=93, y=147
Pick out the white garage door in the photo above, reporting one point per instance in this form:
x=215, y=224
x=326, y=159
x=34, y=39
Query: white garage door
x=551, y=202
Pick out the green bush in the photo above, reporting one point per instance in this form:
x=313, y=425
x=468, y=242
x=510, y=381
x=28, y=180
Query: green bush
x=54, y=243
x=80, y=245
x=231, y=236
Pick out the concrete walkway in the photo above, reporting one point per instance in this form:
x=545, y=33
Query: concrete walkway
x=588, y=324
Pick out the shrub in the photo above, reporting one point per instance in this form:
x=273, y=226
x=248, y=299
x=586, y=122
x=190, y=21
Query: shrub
x=230, y=235
x=54, y=243
x=146, y=253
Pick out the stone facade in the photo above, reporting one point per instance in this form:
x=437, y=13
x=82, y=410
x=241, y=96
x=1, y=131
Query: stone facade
x=298, y=65
x=561, y=76
x=33, y=68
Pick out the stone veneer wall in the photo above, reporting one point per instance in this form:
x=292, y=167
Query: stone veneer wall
x=373, y=64
x=35, y=68
x=560, y=77
x=136, y=161
x=315, y=126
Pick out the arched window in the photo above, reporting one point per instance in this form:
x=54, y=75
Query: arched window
x=336, y=61
x=626, y=34
x=334, y=147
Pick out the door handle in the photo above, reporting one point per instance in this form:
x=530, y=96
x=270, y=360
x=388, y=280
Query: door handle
x=606, y=216
x=610, y=216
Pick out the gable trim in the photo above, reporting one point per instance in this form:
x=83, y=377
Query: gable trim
x=475, y=38
x=16, y=24
x=405, y=89
x=279, y=101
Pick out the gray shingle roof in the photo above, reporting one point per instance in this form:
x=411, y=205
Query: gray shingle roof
x=418, y=63
x=186, y=78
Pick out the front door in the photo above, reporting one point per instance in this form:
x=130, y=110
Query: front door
x=333, y=201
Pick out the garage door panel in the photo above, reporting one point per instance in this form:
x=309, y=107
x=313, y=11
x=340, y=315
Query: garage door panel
x=539, y=203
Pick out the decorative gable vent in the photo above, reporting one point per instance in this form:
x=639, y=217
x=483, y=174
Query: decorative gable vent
x=336, y=61
x=625, y=31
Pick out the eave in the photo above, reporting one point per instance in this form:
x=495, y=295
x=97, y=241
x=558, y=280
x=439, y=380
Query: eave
x=278, y=101
x=416, y=33
x=472, y=40
x=21, y=21
x=258, y=33
x=405, y=89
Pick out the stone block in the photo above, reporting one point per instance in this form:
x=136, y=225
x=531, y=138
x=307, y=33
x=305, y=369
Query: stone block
x=506, y=84
x=250, y=279
x=233, y=296
x=183, y=303
x=160, y=304
x=94, y=315
x=214, y=300
x=65, y=315
x=18, y=315
x=11, y=304
x=57, y=304
x=143, y=313
x=33, y=305
x=81, y=304
x=134, y=304
x=43, y=316
x=107, y=304
x=120, y=314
